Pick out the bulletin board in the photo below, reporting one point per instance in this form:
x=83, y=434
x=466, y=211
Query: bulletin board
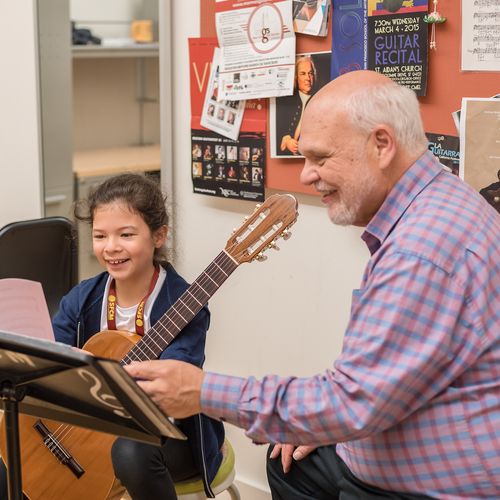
x=446, y=86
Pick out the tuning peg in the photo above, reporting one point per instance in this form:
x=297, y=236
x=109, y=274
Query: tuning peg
x=246, y=218
x=257, y=207
x=261, y=257
x=273, y=245
x=286, y=234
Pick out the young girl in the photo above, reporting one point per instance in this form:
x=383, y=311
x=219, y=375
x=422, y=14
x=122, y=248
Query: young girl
x=129, y=227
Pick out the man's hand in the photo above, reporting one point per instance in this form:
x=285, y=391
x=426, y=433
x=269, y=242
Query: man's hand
x=289, y=451
x=174, y=386
x=288, y=142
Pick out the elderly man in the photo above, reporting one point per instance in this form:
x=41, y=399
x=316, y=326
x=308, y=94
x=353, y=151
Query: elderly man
x=411, y=407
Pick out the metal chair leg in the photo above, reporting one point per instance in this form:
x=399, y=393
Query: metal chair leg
x=233, y=492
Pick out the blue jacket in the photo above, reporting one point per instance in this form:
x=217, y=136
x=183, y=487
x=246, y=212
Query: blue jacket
x=79, y=318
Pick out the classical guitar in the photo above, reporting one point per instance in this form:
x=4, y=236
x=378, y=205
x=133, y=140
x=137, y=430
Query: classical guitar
x=60, y=461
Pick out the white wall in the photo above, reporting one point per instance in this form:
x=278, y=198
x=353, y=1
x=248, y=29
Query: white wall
x=20, y=156
x=285, y=315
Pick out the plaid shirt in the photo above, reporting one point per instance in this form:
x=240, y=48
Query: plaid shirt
x=414, y=398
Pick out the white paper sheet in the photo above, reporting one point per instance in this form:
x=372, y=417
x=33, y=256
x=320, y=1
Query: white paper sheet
x=223, y=117
x=480, y=35
x=257, y=44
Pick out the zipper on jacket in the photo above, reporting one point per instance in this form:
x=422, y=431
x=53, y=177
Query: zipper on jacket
x=78, y=335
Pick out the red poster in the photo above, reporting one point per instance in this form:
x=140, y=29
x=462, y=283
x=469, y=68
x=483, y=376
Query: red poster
x=220, y=166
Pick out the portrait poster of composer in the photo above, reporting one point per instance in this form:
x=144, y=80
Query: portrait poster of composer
x=397, y=41
x=312, y=71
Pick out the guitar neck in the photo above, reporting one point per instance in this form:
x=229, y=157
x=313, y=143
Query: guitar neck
x=184, y=309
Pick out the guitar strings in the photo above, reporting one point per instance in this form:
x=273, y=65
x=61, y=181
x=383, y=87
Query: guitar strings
x=186, y=306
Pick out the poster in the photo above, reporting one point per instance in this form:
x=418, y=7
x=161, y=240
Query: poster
x=226, y=168
x=349, y=36
x=310, y=17
x=456, y=114
x=480, y=143
x=397, y=41
x=480, y=35
x=223, y=117
x=312, y=73
x=221, y=166
x=257, y=44
x=446, y=148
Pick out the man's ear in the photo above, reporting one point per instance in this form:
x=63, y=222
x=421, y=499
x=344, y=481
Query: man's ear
x=384, y=142
x=160, y=236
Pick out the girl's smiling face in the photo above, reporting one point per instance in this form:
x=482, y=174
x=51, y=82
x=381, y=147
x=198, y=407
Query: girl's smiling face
x=123, y=243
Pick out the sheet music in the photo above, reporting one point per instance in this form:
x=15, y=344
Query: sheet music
x=480, y=35
x=23, y=309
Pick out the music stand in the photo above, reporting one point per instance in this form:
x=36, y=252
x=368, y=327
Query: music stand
x=53, y=381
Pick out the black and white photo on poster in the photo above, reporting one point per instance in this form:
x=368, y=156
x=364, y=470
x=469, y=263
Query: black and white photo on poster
x=228, y=169
x=312, y=71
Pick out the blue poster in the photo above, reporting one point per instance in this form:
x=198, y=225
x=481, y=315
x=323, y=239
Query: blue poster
x=349, y=36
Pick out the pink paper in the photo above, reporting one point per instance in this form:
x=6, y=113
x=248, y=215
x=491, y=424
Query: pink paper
x=23, y=309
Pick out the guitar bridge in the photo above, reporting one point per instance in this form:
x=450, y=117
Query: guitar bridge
x=58, y=450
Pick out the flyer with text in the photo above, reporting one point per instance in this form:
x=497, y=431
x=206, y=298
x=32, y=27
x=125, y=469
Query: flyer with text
x=446, y=148
x=223, y=117
x=257, y=44
x=398, y=41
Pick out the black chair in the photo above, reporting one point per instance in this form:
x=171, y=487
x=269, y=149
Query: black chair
x=43, y=250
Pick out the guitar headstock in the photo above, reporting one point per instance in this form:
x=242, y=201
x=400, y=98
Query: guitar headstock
x=269, y=221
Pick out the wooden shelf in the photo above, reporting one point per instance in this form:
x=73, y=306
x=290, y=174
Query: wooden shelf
x=129, y=50
x=111, y=161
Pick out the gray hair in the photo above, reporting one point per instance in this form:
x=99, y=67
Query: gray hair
x=390, y=104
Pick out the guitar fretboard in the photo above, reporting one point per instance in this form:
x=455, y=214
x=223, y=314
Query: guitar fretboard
x=185, y=308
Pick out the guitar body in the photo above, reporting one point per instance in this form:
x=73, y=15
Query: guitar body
x=44, y=477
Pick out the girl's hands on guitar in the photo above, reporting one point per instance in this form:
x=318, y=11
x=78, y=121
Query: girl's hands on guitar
x=175, y=386
x=289, y=451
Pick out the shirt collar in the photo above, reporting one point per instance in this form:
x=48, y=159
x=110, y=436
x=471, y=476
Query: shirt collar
x=411, y=183
x=304, y=97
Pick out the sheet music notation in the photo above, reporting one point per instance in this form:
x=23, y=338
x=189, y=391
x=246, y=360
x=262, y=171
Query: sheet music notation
x=481, y=35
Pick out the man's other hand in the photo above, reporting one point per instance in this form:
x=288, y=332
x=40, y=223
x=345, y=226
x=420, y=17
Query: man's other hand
x=289, y=451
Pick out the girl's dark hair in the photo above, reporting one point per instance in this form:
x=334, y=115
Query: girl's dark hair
x=140, y=193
